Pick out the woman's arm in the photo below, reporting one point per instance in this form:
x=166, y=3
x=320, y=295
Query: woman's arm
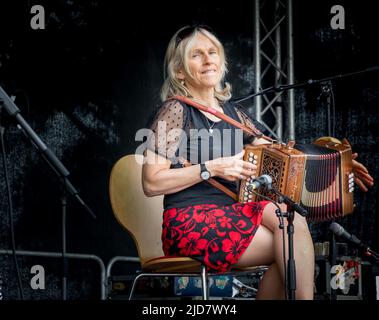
x=158, y=178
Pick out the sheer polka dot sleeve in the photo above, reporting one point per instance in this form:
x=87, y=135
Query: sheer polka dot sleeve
x=168, y=130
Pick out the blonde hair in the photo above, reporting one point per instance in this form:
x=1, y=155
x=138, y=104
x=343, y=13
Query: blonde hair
x=177, y=59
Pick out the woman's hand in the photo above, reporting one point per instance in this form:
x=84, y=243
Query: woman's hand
x=361, y=176
x=231, y=168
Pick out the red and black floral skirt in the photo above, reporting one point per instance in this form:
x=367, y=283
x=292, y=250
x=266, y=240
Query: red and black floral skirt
x=215, y=235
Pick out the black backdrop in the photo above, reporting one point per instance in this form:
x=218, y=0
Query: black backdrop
x=89, y=81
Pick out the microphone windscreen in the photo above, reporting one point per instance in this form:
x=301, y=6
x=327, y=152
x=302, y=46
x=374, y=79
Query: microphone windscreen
x=267, y=178
x=336, y=228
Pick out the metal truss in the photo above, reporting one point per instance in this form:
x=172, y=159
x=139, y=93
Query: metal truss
x=272, y=67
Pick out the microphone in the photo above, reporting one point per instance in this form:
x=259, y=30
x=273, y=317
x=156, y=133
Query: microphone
x=341, y=232
x=263, y=180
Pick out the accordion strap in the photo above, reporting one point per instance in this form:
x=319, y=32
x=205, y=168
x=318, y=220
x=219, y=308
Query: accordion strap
x=211, y=181
x=254, y=132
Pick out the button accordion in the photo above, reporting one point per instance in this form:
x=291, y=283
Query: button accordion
x=318, y=176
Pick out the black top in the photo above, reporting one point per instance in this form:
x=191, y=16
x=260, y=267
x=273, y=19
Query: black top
x=182, y=131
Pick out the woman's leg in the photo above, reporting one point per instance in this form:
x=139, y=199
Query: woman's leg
x=267, y=248
x=271, y=287
x=261, y=252
x=303, y=250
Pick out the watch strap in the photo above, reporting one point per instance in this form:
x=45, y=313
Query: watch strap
x=203, y=168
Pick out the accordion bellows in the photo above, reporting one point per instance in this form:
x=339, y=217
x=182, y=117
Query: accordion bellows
x=318, y=176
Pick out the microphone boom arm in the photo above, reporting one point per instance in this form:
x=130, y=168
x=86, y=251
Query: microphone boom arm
x=280, y=88
x=47, y=154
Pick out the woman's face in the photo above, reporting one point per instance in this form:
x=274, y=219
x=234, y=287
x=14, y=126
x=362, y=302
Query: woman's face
x=204, y=63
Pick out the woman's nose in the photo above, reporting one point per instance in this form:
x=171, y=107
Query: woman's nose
x=207, y=58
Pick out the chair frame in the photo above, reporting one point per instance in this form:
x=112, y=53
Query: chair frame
x=203, y=274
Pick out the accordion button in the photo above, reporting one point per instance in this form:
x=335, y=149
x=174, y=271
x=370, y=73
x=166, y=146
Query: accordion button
x=251, y=159
x=351, y=175
x=245, y=194
x=351, y=190
x=251, y=154
x=255, y=157
x=255, y=162
x=250, y=196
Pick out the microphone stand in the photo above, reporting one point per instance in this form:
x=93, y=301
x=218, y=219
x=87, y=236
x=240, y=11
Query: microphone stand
x=326, y=91
x=57, y=167
x=333, y=261
x=290, y=215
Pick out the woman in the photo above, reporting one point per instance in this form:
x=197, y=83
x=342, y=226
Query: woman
x=199, y=220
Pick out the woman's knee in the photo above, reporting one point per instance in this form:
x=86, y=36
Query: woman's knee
x=260, y=251
x=271, y=221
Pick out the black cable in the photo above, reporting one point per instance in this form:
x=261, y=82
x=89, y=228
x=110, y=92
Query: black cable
x=10, y=211
x=279, y=214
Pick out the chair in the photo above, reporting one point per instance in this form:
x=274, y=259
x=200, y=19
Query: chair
x=141, y=216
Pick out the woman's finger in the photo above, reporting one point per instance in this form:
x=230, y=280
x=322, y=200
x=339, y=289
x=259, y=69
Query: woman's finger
x=367, y=182
x=248, y=173
x=248, y=165
x=358, y=165
x=363, y=175
x=360, y=184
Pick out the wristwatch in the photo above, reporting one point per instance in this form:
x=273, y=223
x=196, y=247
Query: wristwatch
x=204, y=173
